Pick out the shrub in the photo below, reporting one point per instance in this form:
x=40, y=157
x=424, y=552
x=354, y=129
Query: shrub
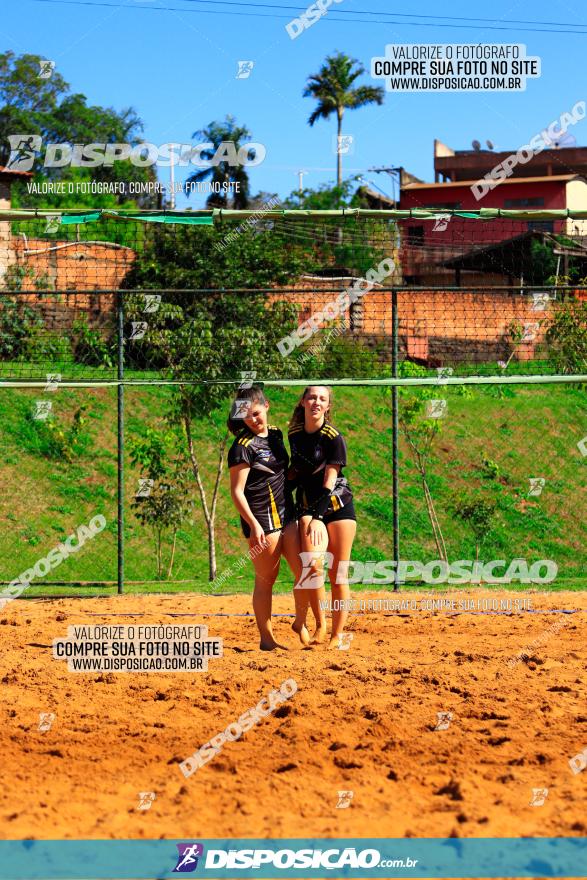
x=46, y=346
x=53, y=439
x=341, y=356
x=90, y=347
x=17, y=323
x=567, y=337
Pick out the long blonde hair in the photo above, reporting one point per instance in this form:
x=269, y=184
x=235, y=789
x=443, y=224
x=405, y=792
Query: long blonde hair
x=298, y=416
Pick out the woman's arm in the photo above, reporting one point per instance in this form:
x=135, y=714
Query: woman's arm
x=238, y=480
x=314, y=530
x=331, y=472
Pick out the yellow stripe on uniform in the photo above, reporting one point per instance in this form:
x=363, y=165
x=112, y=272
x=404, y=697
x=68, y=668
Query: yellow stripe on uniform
x=336, y=505
x=329, y=431
x=246, y=439
x=274, y=513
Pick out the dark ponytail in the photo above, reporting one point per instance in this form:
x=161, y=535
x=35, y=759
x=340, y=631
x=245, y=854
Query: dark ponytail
x=254, y=394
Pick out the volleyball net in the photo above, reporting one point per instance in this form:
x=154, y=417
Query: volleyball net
x=456, y=346
x=331, y=297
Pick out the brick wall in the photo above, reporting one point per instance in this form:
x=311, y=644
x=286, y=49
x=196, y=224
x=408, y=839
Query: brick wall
x=73, y=270
x=435, y=327
x=71, y=265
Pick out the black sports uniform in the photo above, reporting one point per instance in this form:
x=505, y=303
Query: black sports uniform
x=310, y=453
x=266, y=490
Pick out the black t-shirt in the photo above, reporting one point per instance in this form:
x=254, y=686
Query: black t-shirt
x=310, y=453
x=266, y=491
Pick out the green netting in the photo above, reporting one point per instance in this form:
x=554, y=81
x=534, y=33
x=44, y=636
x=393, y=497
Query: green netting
x=94, y=294
x=506, y=478
x=481, y=324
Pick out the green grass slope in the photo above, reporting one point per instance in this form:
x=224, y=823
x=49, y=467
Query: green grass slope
x=491, y=443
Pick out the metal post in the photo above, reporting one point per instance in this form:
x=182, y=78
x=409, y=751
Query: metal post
x=395, y=433
x=120, y=432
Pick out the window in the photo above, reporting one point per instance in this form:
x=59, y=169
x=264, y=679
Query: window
x=416, y=235
x=444, y=206
x=541, y=225
x=537, y=202
x=356, y=316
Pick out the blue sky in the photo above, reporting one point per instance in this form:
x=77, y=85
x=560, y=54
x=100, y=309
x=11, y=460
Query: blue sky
x=178, y=69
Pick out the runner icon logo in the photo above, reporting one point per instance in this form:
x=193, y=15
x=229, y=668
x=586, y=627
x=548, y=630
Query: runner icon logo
x=539, y=795
x=344, y=799
x=312, y=569
x=444, y=719
x=187, y=860
x=46, y=719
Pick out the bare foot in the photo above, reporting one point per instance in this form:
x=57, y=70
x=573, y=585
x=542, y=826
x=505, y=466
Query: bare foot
x=319, y=636
x=271, y=646
x=342, y=641
x=302, y=632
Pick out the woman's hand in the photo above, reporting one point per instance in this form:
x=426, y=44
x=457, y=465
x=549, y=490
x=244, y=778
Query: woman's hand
x=316, y=532
x=258, y=535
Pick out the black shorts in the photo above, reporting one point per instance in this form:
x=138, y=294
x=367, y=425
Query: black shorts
x=287, y=520
x=346, y=512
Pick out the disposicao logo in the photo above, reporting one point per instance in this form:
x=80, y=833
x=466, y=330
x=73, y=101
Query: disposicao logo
x=187, y=860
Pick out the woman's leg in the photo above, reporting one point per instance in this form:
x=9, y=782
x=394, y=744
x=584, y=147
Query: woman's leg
x=266, y=565
x=341, y=534
x=313, y=577
x=290, y=548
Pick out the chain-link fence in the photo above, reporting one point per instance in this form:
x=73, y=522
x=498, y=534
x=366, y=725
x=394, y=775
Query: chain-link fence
x=485, y=473
x=463, y=406
x=324, y=331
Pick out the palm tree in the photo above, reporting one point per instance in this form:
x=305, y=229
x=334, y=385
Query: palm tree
x=332, y=88
x=217, y=133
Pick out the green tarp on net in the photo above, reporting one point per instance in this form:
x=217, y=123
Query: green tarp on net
x=209, y=216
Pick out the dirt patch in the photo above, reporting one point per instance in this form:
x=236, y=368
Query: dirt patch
x=363, y=720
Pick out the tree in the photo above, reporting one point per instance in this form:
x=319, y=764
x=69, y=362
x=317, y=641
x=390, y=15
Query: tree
x=324, y=198
x=33, y=105
x=28, y=102
x=420, y=434
x=420, y=429
x=191, y=258
x=333, y=88
x=223, y=174
x=477, y=513
x=544, y=266
x=202, y=338
x=163, y=502
x=346, y=244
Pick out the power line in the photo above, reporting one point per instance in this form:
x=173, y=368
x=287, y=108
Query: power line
x=331, y=17
x=389, y=14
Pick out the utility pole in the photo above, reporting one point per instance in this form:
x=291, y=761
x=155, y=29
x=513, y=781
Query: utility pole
x=371, y=183
x=172, y=179
x=392, y=172
x=301, y=182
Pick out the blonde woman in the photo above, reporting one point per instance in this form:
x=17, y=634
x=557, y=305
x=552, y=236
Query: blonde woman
x=325, y=510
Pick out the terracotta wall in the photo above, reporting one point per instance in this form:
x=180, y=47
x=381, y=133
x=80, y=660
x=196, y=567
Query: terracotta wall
x=73, y=270
x=439, y=326
x=73, y=265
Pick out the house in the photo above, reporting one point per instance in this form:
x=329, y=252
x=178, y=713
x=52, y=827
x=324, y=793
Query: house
x=555, y=179
x=7, y=178
x=451, y=165
x=30, y=263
